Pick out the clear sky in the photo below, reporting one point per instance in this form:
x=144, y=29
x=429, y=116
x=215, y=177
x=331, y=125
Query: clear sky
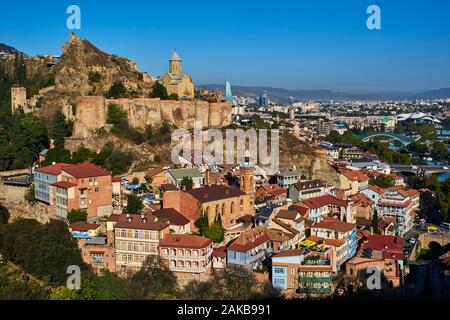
x=311, y=44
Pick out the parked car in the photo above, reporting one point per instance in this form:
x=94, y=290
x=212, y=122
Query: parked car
x=412, y=240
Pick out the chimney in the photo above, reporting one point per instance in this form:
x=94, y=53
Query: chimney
x=205, y=196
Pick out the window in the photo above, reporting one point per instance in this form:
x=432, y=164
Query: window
x=96, y=189
x=292, y=271
x=278, y=270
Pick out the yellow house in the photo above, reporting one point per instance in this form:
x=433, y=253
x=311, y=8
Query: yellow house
x=176, y=81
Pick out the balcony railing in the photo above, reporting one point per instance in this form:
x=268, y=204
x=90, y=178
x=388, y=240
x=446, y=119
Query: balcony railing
x=179, y=257
x=190, y=269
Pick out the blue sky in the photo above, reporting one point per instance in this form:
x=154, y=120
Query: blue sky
x=320, y=44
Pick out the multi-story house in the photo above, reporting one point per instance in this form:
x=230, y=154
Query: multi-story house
x=252, y=246
x=285, y=178
x=308, y=272
x=69, y=187
x=136, y=237
x=398, y=205
x=186, y=253
x=324, y=206
x=374, y=193
x=290, y=222
x=308, y=189
x=331, y=228
x=84, y=186
x=381, y=251
x=43, y=178
x=355, y=180
x=175, y=176
x=271, y=193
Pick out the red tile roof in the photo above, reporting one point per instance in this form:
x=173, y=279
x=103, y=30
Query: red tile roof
x=83, y=226
x=355, y=175
x=322, y=201
x=220, y=252
x=214, y=193
x=377, y=189
x=288, y=253
x=135, y=221
x=274, y=189
x=54, y=169
x=174, y=217
x=188, y=241
x=63, y=184
x=300, y=209
x=391, y=246
x=249, y=239
x=334, y=224
x=86, y=170
x=361, y=198
x=395, y=204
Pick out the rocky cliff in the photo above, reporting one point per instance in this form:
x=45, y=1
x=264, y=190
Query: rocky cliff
x=83, y=69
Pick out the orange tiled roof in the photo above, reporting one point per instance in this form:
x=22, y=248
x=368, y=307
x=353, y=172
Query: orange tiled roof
x=355, y=175
x=334, y=224
x=184, y=241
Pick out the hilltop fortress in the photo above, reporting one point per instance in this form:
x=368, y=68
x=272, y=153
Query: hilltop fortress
x=90, y=113
x=81, y=77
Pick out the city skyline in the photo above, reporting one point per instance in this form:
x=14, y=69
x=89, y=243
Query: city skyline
x=325, y=45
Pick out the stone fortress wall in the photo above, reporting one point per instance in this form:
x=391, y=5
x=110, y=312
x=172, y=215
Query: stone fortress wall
x=90, y=113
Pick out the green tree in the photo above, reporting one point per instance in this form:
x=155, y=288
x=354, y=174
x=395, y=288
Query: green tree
x=4, y=214
x=81, y=155
x=202, y=223
x=29, y=195
x=135, y=180
x=117, y=90
x=154, y=281
x=116, y=116
x=106, y=286
x=63, y=293
x=134, y=204
x=94, y=76
x=215, y=232
x=44, y=250
x=173, y=96
x=187, y=183
x=59, y=129
x=382, y=181
x=375, y=227
x=159, y=91
x=76, y=215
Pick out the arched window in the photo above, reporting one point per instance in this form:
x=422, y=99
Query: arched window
x=232, y=208
x=242, y=202
x=223, y=209
x=217, y=210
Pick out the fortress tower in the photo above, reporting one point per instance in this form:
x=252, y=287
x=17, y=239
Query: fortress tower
x=18, y=98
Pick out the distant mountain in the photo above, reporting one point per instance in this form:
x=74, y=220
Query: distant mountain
x=5, y=49
x=281, y=95
x=442, y=93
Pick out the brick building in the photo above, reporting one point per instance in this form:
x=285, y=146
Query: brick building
x=230, y=203
x=69, y=187
x=186, y=253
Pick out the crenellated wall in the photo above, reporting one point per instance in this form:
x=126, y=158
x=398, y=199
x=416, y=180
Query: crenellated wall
x=91, y=113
